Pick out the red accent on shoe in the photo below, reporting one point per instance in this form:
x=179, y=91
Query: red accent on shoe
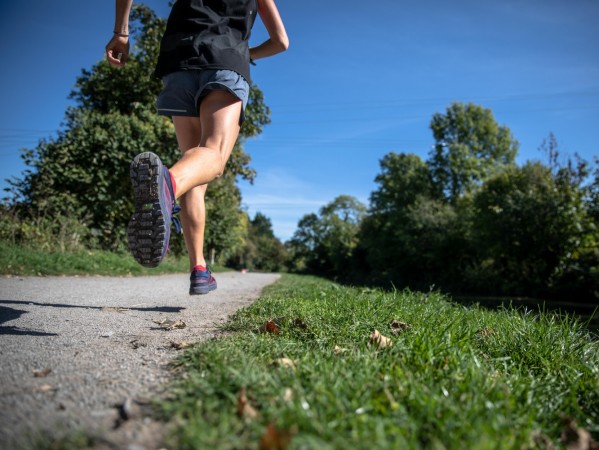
x=174, y=183
x=200, y=268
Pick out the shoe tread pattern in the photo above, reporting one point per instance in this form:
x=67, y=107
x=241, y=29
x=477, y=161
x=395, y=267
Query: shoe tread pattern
x=146, y=231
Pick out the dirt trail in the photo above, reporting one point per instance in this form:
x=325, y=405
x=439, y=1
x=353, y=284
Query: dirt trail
x=99, y=339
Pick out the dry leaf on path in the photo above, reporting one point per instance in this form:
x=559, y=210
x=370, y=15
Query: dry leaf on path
x=244, y=409
x=180, y=345
x=275, y=438
x=46, y=388
x=379, y=341
x=270, y=327
x=167, y=324
x=41, y=373
x=136, y=343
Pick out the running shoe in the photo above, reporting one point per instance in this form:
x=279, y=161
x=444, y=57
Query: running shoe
x=201, y=282
x=149, y=229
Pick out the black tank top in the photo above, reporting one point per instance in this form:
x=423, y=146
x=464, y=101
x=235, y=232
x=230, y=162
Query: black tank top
x=207, y=34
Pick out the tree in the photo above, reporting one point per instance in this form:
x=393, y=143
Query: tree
x=262, y=250
x=325, y=244
x=531, y=226
x=411, y=236
x=403, y=178
x=469, y=147
x=83, y=172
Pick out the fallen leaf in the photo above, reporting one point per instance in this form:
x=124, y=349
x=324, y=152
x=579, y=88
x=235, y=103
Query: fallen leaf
x=299, y=323
x=270, y=327
x=379, y=341
x=486, y=332
x=397, y=327
x=46, y=388
x=285, y=362
x=136, y=343
x=575, y=438
x=180, y=345
x=244, y=409
x=42, y=373
x=275, y=438
x=338, y=350
x=167, y=324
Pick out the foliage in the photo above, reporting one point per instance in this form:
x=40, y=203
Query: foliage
x=83, y=172
x=469, y=147
x=33, y=260
x=468, y=220
x=455, y=377
x=263, y=251
x=226, y=223
x=530, y=227
x=325, y=244
x=42, y=233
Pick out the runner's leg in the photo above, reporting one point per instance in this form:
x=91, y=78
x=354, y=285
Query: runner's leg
x=216, y=132
x=219, y=124
x=193, y=210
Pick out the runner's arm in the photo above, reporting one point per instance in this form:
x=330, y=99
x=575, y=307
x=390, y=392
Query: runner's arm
x=119, y=44
x=278, y=41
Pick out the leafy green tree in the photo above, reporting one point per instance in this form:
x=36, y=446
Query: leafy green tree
x=411, y=236
x=403, y=179
x=469, y=147
x=325, y=244
x=263, y=251
x=83, y=172
x=531, y=226
x=303, y=245
x=227, y=225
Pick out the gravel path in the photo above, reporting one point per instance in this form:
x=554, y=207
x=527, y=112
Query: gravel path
x=98, y=338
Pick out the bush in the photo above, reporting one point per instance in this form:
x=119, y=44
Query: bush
x=59, y=233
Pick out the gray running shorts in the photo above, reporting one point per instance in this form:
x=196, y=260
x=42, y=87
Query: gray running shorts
x=183, y=91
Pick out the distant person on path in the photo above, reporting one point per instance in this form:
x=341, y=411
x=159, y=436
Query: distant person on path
x=204, y=63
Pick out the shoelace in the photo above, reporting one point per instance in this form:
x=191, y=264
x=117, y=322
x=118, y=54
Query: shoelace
x=176, y=221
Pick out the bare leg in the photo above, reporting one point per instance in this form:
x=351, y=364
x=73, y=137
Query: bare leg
x=206, y=143
x=219, y=125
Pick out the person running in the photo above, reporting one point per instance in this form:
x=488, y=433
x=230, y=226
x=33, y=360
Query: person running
x=204, y=63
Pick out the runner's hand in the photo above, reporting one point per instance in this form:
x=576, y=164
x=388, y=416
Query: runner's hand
x=117, y=51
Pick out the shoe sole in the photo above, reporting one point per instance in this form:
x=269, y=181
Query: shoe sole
x=201, y=290
x=147, y=231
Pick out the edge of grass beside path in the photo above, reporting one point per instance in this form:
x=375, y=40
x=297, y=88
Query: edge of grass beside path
x=25, y=261
x=456, y=378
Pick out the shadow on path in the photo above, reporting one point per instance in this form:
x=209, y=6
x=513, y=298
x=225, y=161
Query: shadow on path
x=162, y=309
x=8, y=314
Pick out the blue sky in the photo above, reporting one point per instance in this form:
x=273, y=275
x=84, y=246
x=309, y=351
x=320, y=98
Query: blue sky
x=359, y=80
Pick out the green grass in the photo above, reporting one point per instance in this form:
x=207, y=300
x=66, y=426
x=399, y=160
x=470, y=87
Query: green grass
x=19, y=260
x=458, y=378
